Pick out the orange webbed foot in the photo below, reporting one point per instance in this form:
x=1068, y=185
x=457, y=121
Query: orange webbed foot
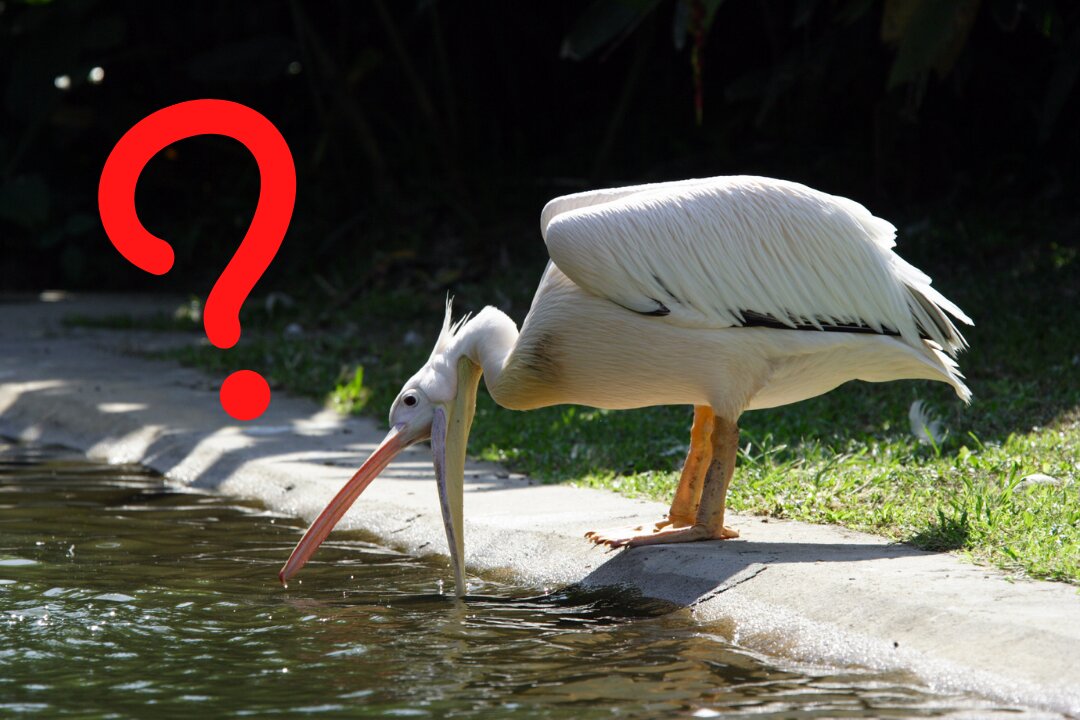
x=663, y=531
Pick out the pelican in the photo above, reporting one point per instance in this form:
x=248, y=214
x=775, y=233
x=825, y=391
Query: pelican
x=728, y=294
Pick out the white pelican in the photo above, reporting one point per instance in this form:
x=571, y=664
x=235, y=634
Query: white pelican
x=728, y=294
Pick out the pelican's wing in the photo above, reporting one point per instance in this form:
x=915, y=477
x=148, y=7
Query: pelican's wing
x=566, y=203
x=731, y=251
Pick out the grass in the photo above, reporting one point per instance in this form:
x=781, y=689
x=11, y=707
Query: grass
x=848, y=457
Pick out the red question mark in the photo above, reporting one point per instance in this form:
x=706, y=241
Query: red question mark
x=245, y=394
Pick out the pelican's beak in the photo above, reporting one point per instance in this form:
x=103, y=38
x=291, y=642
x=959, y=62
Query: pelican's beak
x=395, y=441
x=449, y=433
x=449, y=438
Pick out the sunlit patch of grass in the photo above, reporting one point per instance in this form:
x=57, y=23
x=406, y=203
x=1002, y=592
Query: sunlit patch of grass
x=969, y=499
x=350, y=395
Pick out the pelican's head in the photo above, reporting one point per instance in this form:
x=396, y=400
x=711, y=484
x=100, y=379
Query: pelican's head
x=436, y=404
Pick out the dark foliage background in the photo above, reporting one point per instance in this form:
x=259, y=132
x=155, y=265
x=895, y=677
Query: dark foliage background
x=428, y=134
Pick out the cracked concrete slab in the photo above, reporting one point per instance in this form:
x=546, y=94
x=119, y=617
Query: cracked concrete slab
x=819, y=594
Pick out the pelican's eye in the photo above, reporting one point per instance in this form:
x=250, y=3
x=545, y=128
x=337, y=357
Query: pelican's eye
x=409, y=400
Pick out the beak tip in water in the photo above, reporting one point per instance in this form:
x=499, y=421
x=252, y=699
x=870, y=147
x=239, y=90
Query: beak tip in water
x=387, y=450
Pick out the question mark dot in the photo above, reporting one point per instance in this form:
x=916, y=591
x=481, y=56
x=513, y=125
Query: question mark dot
x=245, y=395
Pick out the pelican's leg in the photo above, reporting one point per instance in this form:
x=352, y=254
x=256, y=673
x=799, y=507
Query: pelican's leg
x=684, y=508
x=710, y=512
x=688, y=495
x=709, y=518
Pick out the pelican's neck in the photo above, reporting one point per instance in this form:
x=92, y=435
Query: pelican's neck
x=487, y=340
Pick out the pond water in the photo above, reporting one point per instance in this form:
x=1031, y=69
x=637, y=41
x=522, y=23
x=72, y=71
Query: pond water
x=123, y=597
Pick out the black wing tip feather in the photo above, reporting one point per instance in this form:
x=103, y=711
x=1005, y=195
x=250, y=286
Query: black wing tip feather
x=661, y=309
x=756, y=319
x=752, y=319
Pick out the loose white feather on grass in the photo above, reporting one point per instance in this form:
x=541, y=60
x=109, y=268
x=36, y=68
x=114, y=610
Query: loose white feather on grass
x=926, y=426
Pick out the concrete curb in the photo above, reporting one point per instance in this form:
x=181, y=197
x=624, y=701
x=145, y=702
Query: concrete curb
x=818, y=594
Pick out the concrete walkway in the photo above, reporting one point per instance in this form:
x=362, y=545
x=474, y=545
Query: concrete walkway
x=818, y=594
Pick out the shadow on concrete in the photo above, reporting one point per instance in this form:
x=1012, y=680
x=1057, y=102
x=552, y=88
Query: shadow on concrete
x=687, y=574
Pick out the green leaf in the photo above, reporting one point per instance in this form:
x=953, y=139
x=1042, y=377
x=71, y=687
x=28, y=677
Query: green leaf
x=711, y=6
x=350, y=395
x=684, y=11
x=931, y=34
x=602, y=22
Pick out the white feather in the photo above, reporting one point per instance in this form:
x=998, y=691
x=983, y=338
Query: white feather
x=709, y=250
x=926, y=426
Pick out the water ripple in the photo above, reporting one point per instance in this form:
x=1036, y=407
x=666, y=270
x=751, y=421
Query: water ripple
x=123, y=597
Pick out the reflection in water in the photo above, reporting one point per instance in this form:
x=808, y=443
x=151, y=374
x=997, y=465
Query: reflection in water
x=119, y=595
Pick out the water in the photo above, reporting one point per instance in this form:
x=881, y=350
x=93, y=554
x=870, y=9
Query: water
x=121, y=597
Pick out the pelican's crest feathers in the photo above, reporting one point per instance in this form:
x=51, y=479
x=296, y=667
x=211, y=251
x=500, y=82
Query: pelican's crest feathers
x=449, y=329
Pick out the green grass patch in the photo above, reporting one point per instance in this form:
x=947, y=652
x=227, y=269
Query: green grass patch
x=848, y=457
